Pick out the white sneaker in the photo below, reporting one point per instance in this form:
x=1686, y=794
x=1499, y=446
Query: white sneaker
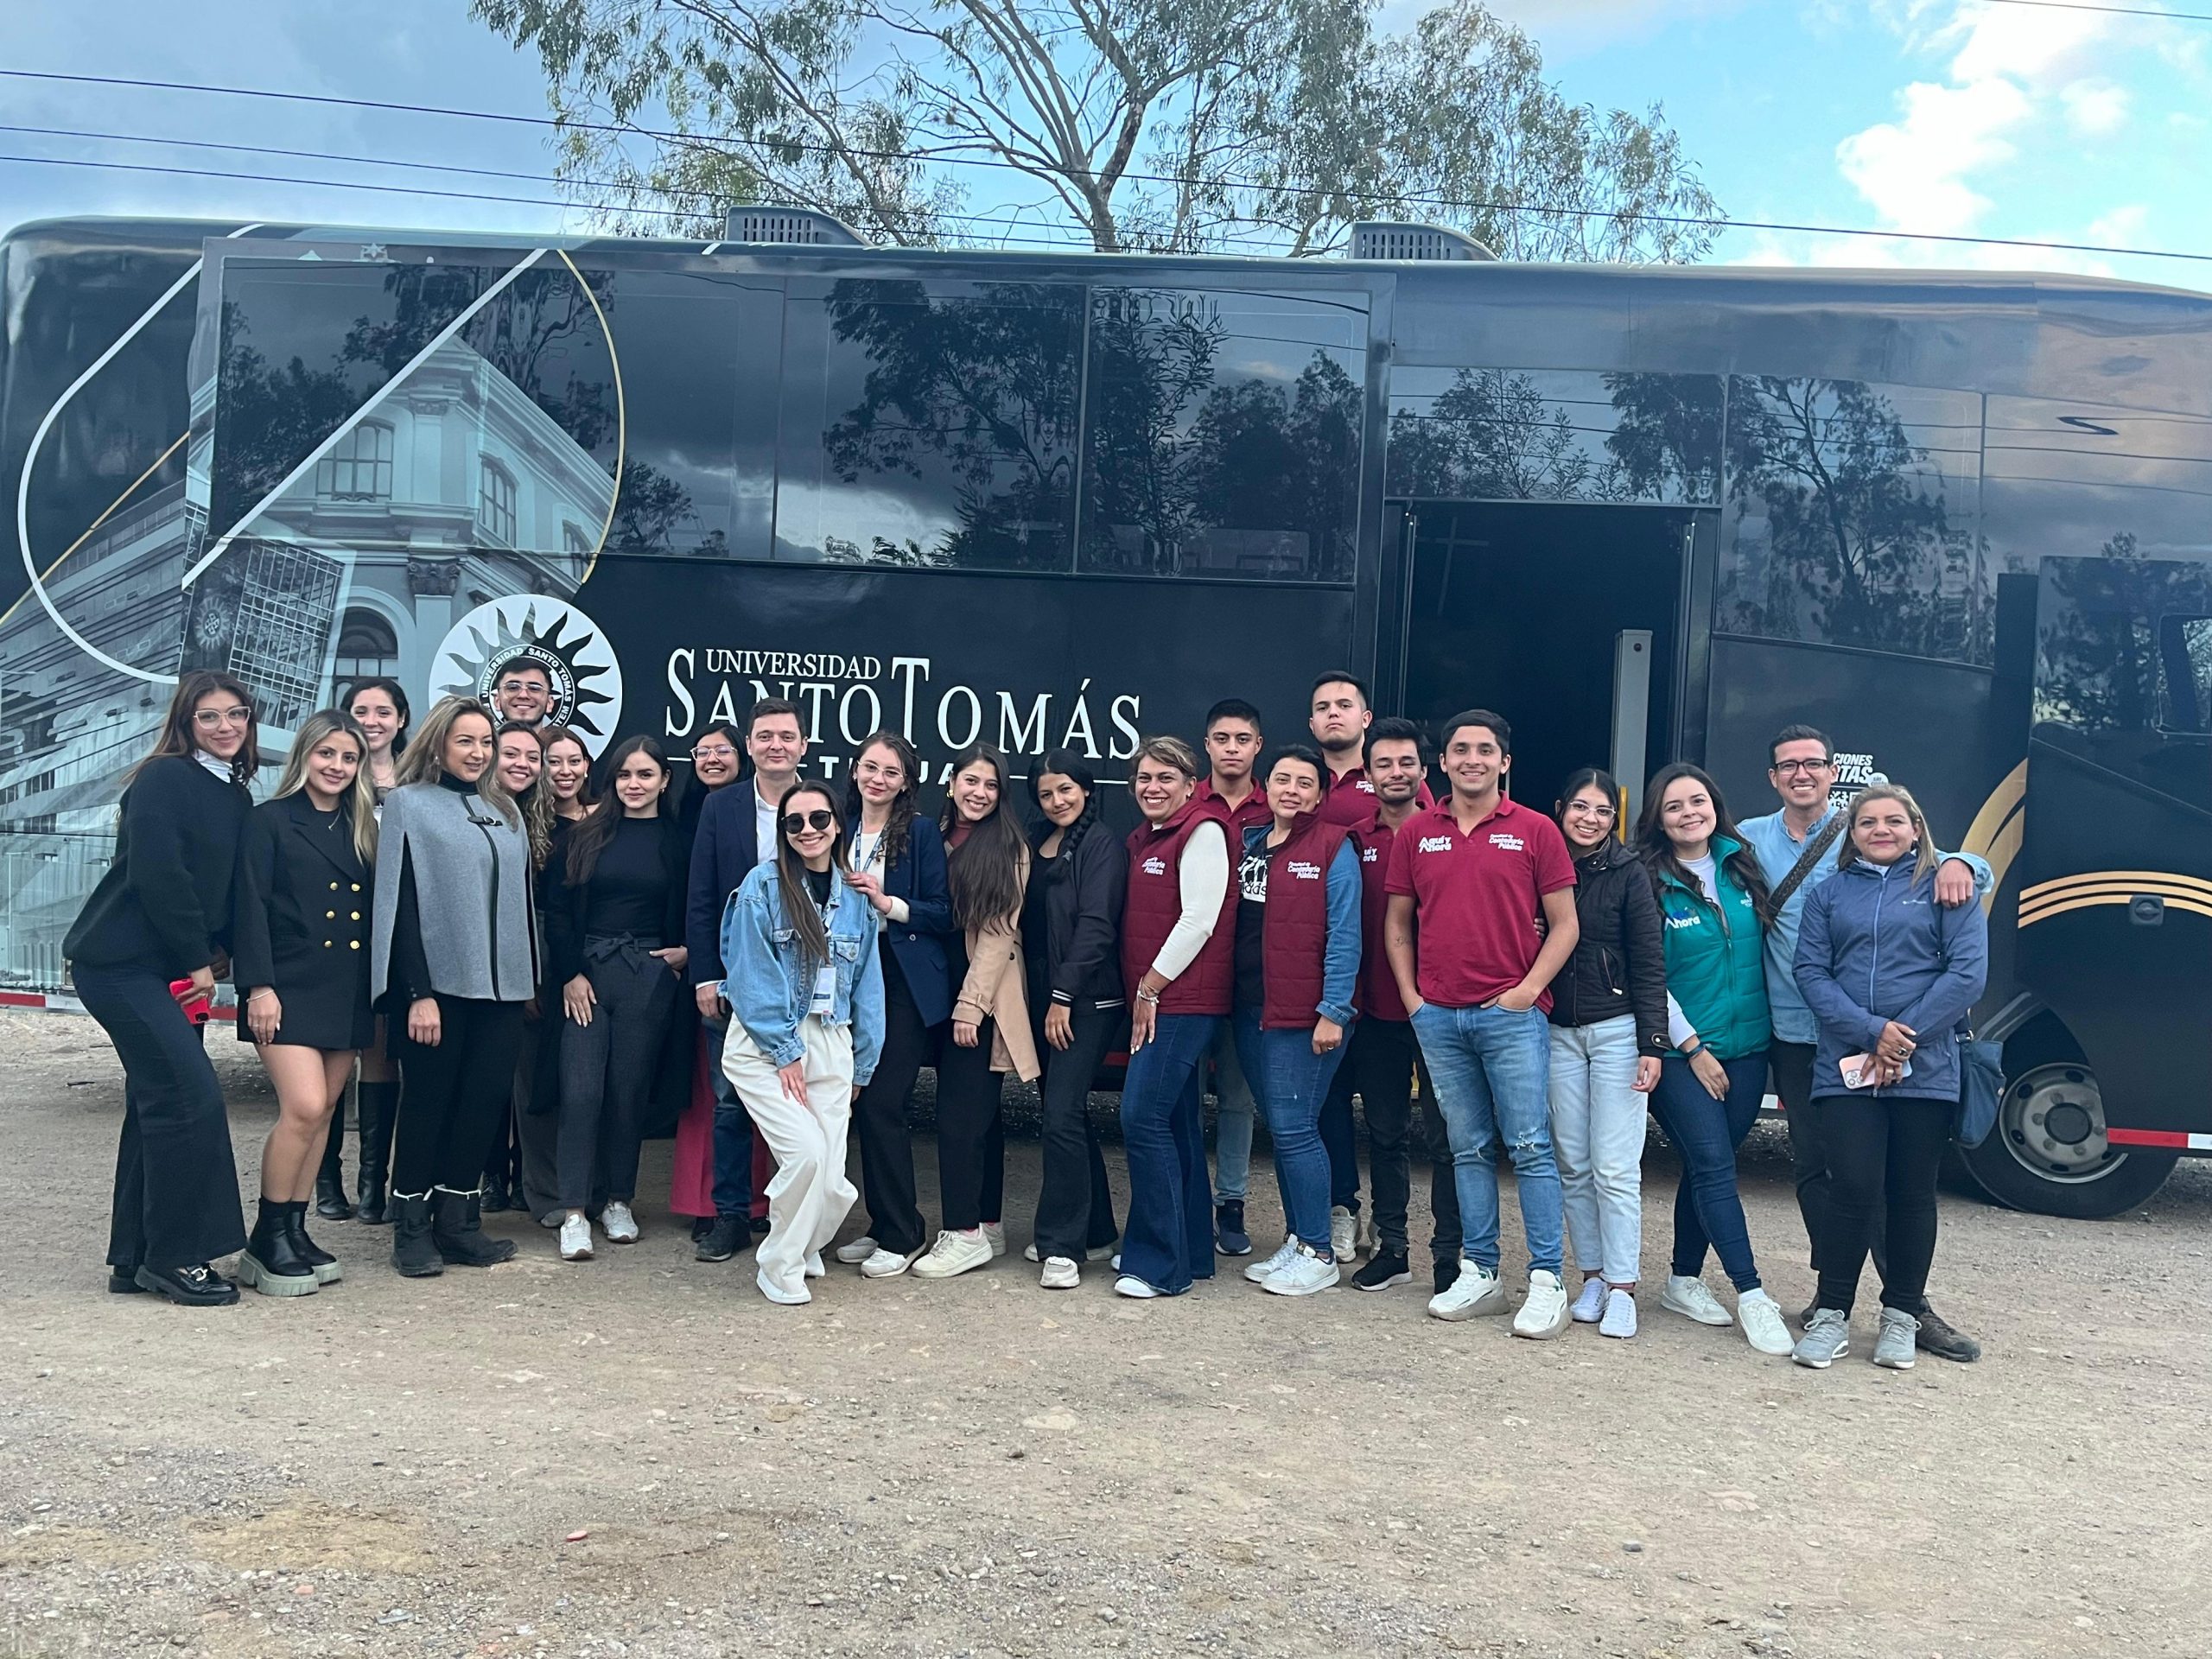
x=858, y=1251
x=1061, y=1274
x=1095, y=1253
x=888, y=1264
x=1260, y=1272
x=1344, y=1233
x=1543, y=1312
x=575, y=1239
x=1303, y=1274
x=1475, y=1292
x=1115, y=1261
x=1126, y=1286
x=954, y=1254
x=1590, y=1307
x=1689, y=1297
x=617, y=1224
x=1760, y=1318
x=1620, y=1315
x=814, y=1268
x=996, y=1231
x=798, y=1298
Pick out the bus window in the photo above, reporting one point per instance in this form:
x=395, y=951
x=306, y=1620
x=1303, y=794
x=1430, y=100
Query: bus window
x=2185, y=649
x=1222, y=433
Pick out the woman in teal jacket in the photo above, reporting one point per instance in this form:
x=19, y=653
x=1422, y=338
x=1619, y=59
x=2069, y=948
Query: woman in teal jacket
x=1714, y=909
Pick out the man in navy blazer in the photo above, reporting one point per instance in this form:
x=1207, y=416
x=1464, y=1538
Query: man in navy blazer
x=737, y=832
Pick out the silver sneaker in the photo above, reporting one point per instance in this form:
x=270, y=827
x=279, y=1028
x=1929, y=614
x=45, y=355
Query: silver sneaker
x=617, y=1224
x=858, y=1251
x=1260, y=1272
x=1343, y=1234
x=1826, y=1338
x=1893, y=1344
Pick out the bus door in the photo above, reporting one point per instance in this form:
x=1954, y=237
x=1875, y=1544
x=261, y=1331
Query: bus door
x=2115, y=899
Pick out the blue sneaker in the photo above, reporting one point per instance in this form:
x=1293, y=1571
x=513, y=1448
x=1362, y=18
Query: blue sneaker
x=1229, y=1235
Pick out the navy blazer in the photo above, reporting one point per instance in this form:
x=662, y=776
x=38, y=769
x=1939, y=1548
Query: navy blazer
x=916, y=945
x=722, y=855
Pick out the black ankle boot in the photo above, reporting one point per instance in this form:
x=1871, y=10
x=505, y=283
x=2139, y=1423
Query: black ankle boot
x=326, y=1270
x=458, y=1231
x=330, y=1179
x=412, y=1251
x=495, y=1192
x=272, y=1264
x=378, y=1104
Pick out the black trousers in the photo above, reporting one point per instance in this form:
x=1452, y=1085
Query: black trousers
x=607, y=1069
x=1884, y=1153
x=452, y=1096
x=1075, y=1208
x=894, y=1219
x=1383, y=1060
x=1809, y=1163
x=971, y=1132
x=176, y=1184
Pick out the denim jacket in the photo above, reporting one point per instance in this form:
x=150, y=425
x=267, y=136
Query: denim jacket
x=769, y=986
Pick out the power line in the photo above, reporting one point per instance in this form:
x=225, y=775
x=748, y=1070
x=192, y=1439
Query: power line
x=2116, y=11
x=1494, y=205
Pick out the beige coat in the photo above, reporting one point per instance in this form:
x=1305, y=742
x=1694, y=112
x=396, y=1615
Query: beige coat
x=997, y=988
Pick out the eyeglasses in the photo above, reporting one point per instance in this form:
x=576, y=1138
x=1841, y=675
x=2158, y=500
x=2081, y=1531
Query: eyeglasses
x=820, y=818
x=1584, y=810
x=209, y=718
x=1791, y=768
x=714, y=751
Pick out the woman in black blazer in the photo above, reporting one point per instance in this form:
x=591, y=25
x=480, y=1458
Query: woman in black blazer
x=300, y=959
x=144, y=954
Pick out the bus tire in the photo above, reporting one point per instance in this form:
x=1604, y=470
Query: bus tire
x=2048, y=1153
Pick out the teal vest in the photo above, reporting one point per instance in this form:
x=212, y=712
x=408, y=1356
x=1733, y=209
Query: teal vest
x=1716, y=963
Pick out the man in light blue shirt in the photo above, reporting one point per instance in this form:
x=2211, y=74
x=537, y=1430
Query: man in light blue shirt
x=1801, y=765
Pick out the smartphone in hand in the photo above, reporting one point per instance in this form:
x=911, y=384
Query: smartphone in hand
x=197, y=1006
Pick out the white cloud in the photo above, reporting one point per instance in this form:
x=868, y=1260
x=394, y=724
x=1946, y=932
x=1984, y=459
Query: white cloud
x=2121, y=226
x=2037, y=45
x=1913, y=171
x=2096, y=106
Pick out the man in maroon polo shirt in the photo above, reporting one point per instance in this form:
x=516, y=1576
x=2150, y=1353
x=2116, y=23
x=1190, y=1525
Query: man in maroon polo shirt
x=1232, y=749
x=1490, y=887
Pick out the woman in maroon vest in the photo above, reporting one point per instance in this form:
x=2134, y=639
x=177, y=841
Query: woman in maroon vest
x=1296, y=961
x=1177, y=959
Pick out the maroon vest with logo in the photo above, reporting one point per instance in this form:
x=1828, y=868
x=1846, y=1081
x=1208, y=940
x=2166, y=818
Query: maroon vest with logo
x=1295, y=938
x=1155, y=902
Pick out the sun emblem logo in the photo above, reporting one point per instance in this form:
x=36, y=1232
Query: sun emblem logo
x=571, y=647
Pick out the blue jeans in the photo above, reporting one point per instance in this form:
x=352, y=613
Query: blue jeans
x=1706, y=1133
x=1492, y=1071
x=733, y=1145
x=1167, y=1241
x=1289, y=1082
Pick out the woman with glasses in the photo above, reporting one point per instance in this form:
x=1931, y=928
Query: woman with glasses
x=144, y=955
x=805, y=991
x=379, y=708
x=1609, y=1029
x=304, y=870
x=454, y=959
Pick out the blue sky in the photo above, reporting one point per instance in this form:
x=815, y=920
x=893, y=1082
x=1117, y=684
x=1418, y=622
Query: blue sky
x=1980, y=118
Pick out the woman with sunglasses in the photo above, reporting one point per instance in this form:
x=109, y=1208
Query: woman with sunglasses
x=805, y=989
x=987, y=861
x=454, y=959
x=144, y=955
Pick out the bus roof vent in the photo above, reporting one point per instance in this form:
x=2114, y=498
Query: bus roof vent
x=1390, y=240
x=788, y=225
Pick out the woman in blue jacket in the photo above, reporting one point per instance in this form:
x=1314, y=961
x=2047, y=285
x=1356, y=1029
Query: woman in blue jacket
x=897, y=865
x=1713, y=912
x=805, y=991
x=1889, y=973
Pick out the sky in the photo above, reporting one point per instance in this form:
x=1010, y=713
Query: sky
x=2017, y=119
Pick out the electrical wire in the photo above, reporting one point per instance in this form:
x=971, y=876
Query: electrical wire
x=2116, y=11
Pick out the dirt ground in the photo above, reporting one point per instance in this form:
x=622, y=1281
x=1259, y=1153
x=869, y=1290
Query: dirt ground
x=982, y=1467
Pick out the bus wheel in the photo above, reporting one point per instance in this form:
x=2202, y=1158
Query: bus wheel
x=2048, y=1152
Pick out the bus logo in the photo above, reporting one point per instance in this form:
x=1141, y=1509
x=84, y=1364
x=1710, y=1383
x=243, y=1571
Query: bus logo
x=573, y=649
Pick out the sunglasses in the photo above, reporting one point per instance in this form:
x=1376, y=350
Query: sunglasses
x=797, y=822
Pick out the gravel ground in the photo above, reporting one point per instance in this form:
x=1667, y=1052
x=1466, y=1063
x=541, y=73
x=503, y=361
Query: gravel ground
x=641, y=1457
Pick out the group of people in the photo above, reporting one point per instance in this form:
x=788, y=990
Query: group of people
x=516, y=951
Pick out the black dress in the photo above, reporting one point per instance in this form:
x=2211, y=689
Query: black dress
x=301, y=924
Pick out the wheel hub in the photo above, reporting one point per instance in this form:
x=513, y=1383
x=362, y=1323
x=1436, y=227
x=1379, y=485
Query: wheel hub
x=2053, y=1122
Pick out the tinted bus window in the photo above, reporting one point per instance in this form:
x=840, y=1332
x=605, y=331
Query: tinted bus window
x=1223, y=433
x=2186, y=647
x=930, y=424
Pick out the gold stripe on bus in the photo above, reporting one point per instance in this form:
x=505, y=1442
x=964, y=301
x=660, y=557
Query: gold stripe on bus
x=2200, y=906
x=2143, y=879
x=2108, y=896
x=2083, y=890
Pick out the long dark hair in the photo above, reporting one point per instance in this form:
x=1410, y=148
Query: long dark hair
x=903, y=805
x=590, y=837
x=790, y=876
x=985, y=870
x=176, y=726
x=1659, y=854
x=391, y=689
x=1068, y=764
x=1577, y=781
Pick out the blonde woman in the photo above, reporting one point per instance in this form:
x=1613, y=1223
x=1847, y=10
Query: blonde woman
x=306, y=865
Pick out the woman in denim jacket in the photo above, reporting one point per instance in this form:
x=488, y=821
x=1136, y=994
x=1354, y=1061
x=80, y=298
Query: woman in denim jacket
x=805, y=991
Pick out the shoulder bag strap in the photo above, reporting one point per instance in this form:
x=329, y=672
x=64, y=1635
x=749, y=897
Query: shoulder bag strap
x=1815, y=850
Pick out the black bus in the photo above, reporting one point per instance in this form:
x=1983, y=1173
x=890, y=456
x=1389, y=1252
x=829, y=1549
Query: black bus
x=1962, y=522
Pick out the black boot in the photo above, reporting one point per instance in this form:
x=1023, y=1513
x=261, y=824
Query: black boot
x=412, y=1250
x=326, y=1270
x=379, y=1106
x=330, y=1179
x=272, y=1264
x=459, y=1232
x=494, y=1200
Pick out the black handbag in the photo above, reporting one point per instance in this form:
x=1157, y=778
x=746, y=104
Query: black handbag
x=1981, y=1085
